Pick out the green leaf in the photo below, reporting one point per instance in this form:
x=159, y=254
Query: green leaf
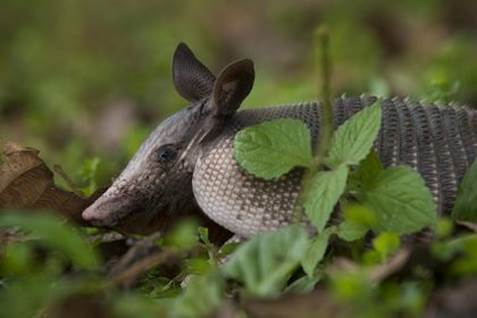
x=445, y=250
x=367, y=172
x=17, y=259
x=353, y=140
x=228, y=248
x=55, y=234
x=444, y=227
x=264, y=263
x=326, y=189
x=351, y=286
x=197, y=266
x=315, y=252
x=89, y=172
x=303, y=285
x=183, y=235
x=465, y=208
x=386, y=244
x=351, y=231
x=204, y=234
x=401, y=201
x=359, y=214
x=273, y=148
x=358, y=219
x=28, y=296
x=202, y=296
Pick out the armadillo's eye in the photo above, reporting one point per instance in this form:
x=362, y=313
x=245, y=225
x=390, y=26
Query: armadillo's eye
x=166, y=153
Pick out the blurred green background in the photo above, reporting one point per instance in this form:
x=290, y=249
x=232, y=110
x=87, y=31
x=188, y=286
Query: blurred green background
x=83, y=79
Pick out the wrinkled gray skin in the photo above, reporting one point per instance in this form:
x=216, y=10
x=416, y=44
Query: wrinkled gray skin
x=190, y=155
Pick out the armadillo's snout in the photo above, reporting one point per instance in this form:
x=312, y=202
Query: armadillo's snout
x=91, y=214
x=97, y=215
x=105, y=212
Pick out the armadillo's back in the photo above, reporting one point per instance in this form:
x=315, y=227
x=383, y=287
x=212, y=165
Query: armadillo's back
x=439, y=142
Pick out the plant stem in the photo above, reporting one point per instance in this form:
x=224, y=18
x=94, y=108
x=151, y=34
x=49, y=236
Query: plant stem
x=326, y=124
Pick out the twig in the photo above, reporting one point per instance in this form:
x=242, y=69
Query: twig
x=395, y=263
x=130, y=274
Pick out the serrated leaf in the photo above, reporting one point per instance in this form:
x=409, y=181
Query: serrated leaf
x=271, y=149
x=353, y=140
x=315, y=252
x=351, y=231
x=325, y=191
x=465, y=207
x=264, y=263
x=367, y=171
x=56, y=234
x=402, y=202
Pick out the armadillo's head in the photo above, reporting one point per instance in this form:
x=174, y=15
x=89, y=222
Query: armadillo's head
x=158, y=177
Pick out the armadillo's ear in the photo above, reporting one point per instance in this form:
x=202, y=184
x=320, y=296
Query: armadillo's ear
x=233, y=84
x=192, y=79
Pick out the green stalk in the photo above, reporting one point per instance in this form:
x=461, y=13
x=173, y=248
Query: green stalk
x=326, y=124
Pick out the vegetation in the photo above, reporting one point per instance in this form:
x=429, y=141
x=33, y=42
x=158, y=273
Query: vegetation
x=85, y=81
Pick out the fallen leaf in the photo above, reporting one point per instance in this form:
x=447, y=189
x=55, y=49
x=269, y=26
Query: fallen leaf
x=26, y=183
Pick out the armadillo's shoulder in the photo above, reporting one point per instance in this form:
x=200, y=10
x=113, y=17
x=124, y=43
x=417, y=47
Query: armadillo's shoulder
x=236, y=199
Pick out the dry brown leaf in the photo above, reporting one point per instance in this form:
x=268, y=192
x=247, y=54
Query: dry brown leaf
x=27, y=183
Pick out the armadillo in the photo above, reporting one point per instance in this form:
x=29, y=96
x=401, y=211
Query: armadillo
x=190, y=155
